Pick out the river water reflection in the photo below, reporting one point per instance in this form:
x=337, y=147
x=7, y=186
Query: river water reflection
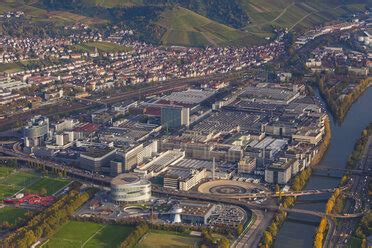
x=298, y=230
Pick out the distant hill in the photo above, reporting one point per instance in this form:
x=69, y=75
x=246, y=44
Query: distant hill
x=193, y=22
x=187, y=28
x=298, y=15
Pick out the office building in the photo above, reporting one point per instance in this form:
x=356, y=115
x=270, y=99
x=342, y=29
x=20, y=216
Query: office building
x=36, y=132
x=280, y=172
x=173, y=117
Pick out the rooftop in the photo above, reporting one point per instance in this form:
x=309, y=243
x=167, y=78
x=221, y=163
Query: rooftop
x=128, y=179
x=96, y=152
x=188, y=97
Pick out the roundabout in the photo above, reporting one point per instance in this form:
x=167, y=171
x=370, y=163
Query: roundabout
x=230, y=188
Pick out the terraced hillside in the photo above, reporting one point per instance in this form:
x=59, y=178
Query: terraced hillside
x=187, y=28
x=298, y=15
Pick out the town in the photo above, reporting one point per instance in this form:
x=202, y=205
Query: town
x=134, y=142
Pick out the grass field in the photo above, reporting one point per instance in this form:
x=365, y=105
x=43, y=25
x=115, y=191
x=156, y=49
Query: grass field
x=162, y=239
x=52, y=185
x=87, y=234
x=5, y=171
x=11, y=214
x=12, y=181
x=106, y=47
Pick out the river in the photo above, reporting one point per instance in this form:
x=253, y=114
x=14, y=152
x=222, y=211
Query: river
x=298, y=230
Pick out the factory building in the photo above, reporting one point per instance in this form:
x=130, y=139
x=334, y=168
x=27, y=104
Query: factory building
x=265, y=150
x=160, y=163
x=183, y=178
x=135, y=155
x=130, y=188
x=280, y=172
x=247, y=164
x=221, y=152
x=196, y=212
x=97, y=159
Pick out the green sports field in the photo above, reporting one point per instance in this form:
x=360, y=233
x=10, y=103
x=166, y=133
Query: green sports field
x=76, y=234
x=13, y=181
x=51, y=185
x=163, y=239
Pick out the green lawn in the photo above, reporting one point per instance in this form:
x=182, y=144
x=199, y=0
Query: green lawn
x=11, y=214
x=52, y=185
x=20, y=179
x=5, y=171
x=12, y=181
x=88, y=234
x=106, y=47
x=7, y=190
x=163, y=239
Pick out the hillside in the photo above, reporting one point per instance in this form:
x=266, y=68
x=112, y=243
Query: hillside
x=37, y=13
x=297, y=16
x=187, y=28
x=190, y=22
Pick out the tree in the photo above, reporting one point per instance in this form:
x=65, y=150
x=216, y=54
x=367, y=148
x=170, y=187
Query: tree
x=239, y=229
x=273, y=229
x=318, y=240
x=30, y=237
x=223, y=243
x=268, y=239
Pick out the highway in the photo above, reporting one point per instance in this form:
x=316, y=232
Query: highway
x=253, y=236
x=339, y=236
x=246, y=204
x=14, y=154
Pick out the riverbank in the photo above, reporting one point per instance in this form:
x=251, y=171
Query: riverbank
x=323, y=147
x=339, y=104
x=298, y=184
x=298, y=230
x=337, y=202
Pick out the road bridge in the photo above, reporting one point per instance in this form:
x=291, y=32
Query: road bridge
x=250, y=205
x=343, y=170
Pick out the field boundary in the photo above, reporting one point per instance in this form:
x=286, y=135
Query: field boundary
x=94, y=234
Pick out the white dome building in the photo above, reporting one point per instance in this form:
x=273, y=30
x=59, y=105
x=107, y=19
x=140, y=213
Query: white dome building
x=130, y=188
